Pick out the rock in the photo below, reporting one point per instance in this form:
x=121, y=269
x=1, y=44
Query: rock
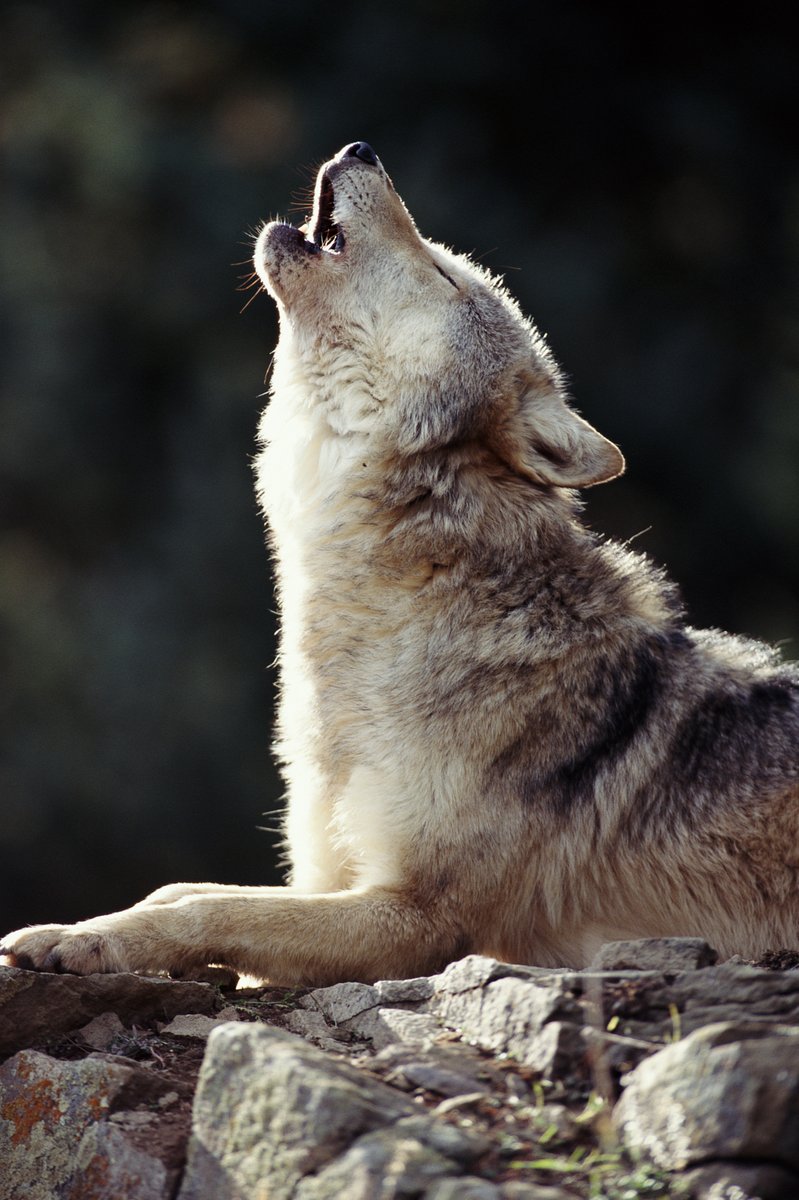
x=343, y=1002
x=464, y=1188
x=294, y=1111
x=508, y=1015
x=656, y=1008
x=36, y=1007
x=388, y=1026
x=559, y=1049
x=740, y=1181
x=108, y=1165
x=727, y=1091
x=497, y=1005
x=315, y=1029
x=457, y=1144
x=451, y=1070
x=386, y=1163
x=475, y=971
x=274, y=1115
x=49, y=1143
x=101, y=1031
x=195, y=1025
x=308, y=1127
x=133, y=1120
x=363, y=1010
x=472, y=1188
x=731, y=992
x=404, y=991
x=516, y=1190
x=666, y=955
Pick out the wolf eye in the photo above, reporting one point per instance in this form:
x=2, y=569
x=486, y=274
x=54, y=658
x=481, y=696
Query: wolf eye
x=446, y=276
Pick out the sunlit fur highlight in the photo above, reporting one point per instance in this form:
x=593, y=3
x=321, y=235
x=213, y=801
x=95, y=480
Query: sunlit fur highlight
x=496, y=730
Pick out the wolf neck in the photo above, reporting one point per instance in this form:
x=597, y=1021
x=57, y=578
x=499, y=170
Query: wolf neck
x=349, y=517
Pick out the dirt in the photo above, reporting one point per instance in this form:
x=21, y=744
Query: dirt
x=778, y=960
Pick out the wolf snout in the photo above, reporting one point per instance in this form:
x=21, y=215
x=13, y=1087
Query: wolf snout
x=361, y=150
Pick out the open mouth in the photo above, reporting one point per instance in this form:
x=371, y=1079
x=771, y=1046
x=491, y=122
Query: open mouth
x=322, y=232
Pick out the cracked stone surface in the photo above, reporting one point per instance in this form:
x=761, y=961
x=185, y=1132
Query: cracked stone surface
x=55, y=1135
x=727, y=1091
x=460, y=1086
x=294, y=1110
x=35, y=1006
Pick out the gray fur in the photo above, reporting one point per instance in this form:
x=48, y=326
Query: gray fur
x=497, y=731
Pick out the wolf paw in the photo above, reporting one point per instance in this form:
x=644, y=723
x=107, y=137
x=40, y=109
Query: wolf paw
x=77, y=949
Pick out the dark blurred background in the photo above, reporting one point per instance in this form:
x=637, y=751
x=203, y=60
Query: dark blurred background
x=638, y=186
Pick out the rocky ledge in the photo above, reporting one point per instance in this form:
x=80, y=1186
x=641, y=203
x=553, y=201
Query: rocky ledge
x=656, y=1072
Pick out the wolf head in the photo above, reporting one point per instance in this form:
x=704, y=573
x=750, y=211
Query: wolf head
x=442, y=351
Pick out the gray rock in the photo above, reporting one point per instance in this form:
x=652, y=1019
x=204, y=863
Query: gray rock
x=275, y=1115
x=434, y=1078
x=387, y=1026
x=270, y=1110
x=475, y=971
x=36, y=1007
x=133, y=1120
x=665, y=1009
x=342, y=1002
x=458, y=1144
x=364, y=1011
x=463, y=1188
x=109, y=1165
x=48, y=1110
x=497, y=1005
x=452, y=1070
x=558, y=1049
x=740, y=1181
x=195, y=1025
x=315, y=1029
x=727, y=1091
x=516, y=1190
x=404, y=991
x=507, y=1015
x=384, y=1165
x=732, y=992
x=667, y=955
x=101, y=1031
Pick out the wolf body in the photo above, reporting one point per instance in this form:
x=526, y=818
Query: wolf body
x=497, y=731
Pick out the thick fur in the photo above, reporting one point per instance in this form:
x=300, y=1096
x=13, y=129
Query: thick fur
x=497, y=732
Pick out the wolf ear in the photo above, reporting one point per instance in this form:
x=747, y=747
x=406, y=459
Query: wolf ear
x=551, y=444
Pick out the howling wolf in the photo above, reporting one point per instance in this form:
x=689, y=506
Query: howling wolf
x=497, y=732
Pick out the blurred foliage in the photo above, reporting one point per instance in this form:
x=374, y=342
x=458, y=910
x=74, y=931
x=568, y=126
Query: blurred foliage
x=636, y=180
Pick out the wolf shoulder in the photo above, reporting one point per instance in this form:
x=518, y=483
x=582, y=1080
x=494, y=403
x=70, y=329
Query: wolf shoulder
x=587, y=687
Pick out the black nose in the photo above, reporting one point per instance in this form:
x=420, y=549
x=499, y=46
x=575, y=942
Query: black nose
x=361, y=150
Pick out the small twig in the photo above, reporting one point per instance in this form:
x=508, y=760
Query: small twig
x=619, y=1039
x=458, y=1102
